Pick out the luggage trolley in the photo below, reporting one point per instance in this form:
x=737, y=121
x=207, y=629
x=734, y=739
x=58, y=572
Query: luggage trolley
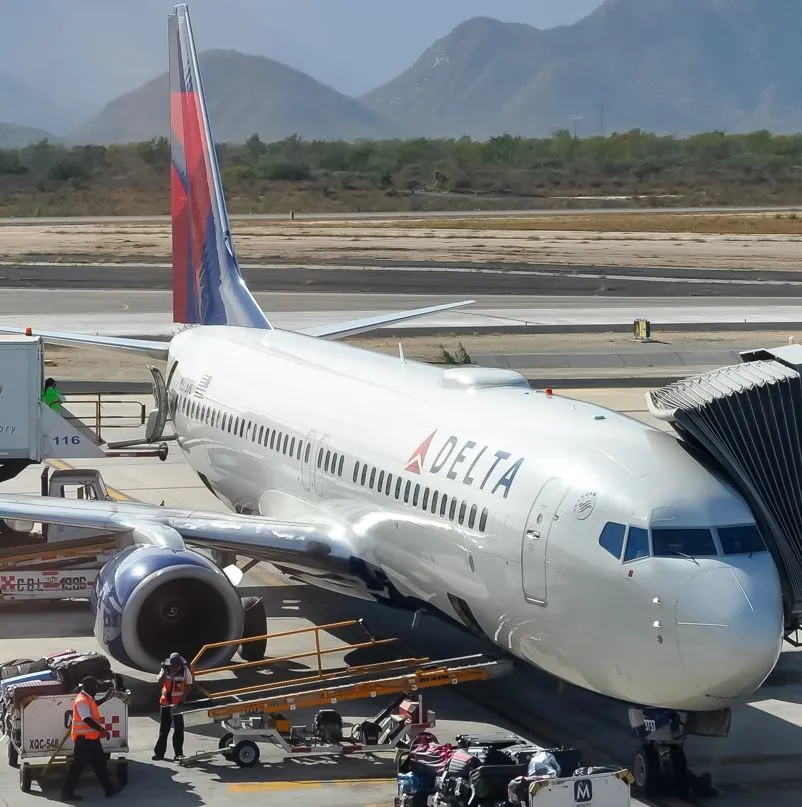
x=39, y=734
x=253, y=715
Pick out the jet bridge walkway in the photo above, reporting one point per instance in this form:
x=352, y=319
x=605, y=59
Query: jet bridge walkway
x=747, y=418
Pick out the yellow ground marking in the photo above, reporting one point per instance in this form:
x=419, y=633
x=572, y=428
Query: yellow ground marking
x=274, y=787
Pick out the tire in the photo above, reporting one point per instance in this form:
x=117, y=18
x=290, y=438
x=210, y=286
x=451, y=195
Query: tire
x=246, y=754
x=13, y=756
x=225, y=740
x=255, y=624
x=646, y=770
x=681, y=784
x=25, y=778
x=122, y=772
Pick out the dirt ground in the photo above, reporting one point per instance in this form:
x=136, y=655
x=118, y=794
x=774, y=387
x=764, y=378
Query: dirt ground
x=87, y=364
x=356, y=243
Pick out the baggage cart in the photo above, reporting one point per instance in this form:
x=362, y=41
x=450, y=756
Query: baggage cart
x=39, y=735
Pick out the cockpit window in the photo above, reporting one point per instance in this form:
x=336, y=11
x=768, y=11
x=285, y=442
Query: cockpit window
x=741, y=540
x=691, y=542
x=612, y=538
x=637, y=544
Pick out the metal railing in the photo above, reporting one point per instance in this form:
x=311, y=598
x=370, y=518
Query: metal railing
x=97, y=401
x=317, y=654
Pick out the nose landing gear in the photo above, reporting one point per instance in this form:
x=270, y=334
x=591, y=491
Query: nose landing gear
x=659, y=766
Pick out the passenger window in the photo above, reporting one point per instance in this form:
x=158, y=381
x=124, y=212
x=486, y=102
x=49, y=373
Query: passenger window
x=452, y=510
x=416, y=496
x=320, y=458
x=372, y=477
x=248, y=431
x=407, y=488
x=356, y=471
x=741, y=540
x=334, y=463
x=435, y=494
x=327, y=462
x=389, y=486
x=673, y=542
x=443, y=505
x=425, y=503
x=261, y=434
x=340, y=469
x=398, y=487
x=286, y=440
x=483, y=520
x=292, y=447
x=380, y=486
x=612, y=538
x=637, y=544
x=462, y=513
x=308, y=452
x=242, y=427
x=472, y=516
x=364, y=475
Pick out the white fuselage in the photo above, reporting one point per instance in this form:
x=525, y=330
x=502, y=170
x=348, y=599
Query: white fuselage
x=496, y=519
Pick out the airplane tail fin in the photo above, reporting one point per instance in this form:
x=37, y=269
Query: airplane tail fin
x=208, y=288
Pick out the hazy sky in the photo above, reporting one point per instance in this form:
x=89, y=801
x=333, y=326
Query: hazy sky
x=88, y=51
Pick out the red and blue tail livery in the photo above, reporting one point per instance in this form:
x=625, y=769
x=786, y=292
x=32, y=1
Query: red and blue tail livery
x=208, y=288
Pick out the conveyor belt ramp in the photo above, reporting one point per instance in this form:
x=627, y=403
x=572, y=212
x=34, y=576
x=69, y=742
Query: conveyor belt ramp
x=748, y=418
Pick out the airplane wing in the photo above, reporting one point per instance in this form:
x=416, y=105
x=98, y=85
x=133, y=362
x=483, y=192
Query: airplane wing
x=308, y=547
x=356, y=326
x=156, y=350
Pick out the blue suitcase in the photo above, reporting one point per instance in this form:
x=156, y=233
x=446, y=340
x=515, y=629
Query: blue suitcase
x=44, y=675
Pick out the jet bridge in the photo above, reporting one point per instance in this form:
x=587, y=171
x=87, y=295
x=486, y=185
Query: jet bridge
x=747, y=418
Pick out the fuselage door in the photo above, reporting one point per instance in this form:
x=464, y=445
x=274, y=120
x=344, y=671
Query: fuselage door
x=318, y=459
x=308, y=459
x=535, y=539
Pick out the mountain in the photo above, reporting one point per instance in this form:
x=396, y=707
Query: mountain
x=672, y=66
x=20, y=103
x=87, y=52
x=14, y=136
x=245, y=95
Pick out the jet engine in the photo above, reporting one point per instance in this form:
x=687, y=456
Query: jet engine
x=150, y=601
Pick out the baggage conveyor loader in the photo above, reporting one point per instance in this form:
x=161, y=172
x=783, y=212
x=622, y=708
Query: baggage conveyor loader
x=255, y=714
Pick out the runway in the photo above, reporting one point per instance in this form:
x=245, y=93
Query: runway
x=426, y=214
x=390, y=277
x=140, y=313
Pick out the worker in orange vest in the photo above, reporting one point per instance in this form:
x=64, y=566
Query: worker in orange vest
x=86, y=731
x=174, y=679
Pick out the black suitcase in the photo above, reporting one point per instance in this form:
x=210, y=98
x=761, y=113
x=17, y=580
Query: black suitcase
x=489, y=783
x=72, y=671
x=521, y=754
x=569, y=759
x=21, y=666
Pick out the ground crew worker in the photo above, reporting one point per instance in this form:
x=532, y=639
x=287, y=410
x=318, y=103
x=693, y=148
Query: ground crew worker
x=174, y=679
x=86, y=731
x=52, y=395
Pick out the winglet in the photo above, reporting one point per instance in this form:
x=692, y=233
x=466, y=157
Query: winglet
x=208, y=288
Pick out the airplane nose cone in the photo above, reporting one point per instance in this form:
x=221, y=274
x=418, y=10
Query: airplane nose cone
x=729, y=630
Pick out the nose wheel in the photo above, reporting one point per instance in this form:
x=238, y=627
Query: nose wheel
x=661, y=770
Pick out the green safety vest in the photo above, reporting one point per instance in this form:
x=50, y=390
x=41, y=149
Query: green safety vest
x=52, y=397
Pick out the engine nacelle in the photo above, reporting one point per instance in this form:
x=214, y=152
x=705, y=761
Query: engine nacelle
x=150, y=601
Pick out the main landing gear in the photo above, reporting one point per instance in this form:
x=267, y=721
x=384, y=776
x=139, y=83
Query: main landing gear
x=659, y=765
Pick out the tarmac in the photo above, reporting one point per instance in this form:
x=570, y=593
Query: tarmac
x=759, y=764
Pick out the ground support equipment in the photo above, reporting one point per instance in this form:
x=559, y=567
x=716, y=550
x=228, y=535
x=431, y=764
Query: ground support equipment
x=39, y=735
x=253, y=715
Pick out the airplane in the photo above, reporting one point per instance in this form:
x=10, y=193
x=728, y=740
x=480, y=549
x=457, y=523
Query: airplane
x=572, y=537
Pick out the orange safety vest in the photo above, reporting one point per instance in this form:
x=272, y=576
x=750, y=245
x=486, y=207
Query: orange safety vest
x=173, y=689
x=79, y=727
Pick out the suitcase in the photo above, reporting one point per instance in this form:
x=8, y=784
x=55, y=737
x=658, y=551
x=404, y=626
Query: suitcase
x=43, y=675
x=72, y=670
x=489, y=783
x=461, y=764
x=32, y=689
x=21, y=666
x=54, y=656
x=521, y=754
